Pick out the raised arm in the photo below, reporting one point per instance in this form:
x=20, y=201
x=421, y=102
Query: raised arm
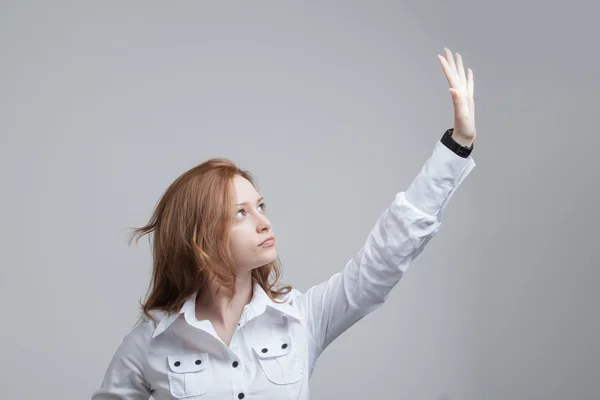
x=400, y=233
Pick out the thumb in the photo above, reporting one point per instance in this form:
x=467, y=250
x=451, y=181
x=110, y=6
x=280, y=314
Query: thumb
x=455, y=97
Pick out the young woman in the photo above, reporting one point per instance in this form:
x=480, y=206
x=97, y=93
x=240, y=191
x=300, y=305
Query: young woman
x=216, y=324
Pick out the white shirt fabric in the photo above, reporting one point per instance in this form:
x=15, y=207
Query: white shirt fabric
x=275, y=346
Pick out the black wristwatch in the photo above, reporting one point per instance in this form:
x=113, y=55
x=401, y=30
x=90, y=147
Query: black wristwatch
x=456, y=147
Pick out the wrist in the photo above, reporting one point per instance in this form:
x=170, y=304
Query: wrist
x=462, y=148
x=461, y=140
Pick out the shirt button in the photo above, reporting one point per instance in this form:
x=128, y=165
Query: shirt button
x=198, y=362
x=235, y=364
x=283, y=346
x=264, y=350
x=241, y=396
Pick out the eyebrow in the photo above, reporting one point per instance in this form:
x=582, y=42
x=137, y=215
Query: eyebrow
x=245, y=203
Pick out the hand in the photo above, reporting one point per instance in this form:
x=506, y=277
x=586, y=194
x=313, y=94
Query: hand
x=462, y=90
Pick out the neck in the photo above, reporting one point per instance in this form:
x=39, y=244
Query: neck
x=216, y=303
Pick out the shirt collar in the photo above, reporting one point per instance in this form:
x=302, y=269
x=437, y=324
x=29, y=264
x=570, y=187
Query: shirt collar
x=258, y=304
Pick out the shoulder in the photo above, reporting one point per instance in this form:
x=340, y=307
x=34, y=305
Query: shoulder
x=137, y=341
x=289, y=297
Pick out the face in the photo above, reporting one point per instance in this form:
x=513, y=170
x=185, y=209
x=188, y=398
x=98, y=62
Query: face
x=250, y=228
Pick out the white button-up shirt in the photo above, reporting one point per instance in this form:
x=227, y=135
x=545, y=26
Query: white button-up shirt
x=275, y=346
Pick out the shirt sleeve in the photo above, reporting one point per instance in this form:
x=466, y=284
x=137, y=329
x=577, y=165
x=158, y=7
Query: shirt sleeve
x=124, y=377
x=398, y=237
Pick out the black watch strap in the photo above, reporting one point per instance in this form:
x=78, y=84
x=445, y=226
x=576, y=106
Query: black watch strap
x=456, y=147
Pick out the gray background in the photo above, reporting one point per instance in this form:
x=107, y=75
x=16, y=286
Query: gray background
x=334, y=107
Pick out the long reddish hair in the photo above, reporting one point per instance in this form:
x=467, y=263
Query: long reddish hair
x=190, y=227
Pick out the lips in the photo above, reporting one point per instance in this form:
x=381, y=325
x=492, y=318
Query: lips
x=268, y=240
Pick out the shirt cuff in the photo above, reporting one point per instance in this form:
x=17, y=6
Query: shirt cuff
x=437, y=181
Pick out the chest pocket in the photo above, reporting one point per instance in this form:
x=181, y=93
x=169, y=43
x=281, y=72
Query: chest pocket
x=281, y=362
x=189, y=374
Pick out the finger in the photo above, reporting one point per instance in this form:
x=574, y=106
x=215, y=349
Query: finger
x=450, y=59
x=461, y=69
x=471, y=83
x=450, y=75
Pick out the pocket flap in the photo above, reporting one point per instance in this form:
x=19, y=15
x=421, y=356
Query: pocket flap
x=274, y=348
x=185, y=363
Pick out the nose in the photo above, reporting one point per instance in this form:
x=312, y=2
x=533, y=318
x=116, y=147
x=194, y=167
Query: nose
x=263, y=224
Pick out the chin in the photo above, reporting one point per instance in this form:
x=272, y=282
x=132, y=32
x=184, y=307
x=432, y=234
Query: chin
x=268, y=259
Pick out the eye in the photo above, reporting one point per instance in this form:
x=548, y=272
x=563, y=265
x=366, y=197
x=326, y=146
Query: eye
x=243, y=212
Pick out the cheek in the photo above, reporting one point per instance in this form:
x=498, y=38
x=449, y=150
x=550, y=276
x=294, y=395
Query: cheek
x=241, y=241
